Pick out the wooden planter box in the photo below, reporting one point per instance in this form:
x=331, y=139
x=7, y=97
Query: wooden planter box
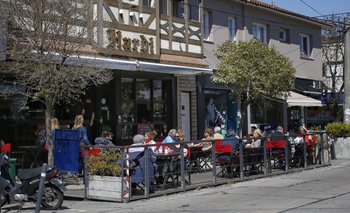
x=105, y=188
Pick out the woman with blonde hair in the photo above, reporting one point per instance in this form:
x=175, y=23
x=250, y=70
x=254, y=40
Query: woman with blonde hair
x=257, y=137
x=54, y=124
x=78, y=125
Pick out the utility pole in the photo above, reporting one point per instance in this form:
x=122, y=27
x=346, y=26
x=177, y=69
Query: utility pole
x=347, y=71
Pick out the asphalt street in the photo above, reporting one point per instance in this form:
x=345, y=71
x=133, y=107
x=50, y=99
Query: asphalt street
x=319, y=190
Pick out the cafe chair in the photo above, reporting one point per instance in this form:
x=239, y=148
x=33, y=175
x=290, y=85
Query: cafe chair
x=225, y=158
x=276, y=153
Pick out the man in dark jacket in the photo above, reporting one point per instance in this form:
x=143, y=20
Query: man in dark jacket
x=105, y=139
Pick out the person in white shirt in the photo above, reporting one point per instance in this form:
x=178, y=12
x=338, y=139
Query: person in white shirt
x=137, y=141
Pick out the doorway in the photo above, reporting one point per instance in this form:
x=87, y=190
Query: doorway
x=185, y=115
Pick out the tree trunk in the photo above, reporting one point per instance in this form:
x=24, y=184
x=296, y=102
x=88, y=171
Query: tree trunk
x=244, y=118
x=48, y=114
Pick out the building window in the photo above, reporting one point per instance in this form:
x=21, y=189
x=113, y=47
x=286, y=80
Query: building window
x=206, y=24
x=284, y=35
x=259, y=32
x=305, y=47
x=163, y=7
x=193, y=10
x=178, y=9
x=149, y=3
x=231, y=29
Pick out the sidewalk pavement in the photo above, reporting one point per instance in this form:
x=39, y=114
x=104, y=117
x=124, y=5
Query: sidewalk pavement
x=76, y=191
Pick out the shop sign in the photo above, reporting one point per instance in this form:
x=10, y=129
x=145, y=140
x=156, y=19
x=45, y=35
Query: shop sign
x=135, y=45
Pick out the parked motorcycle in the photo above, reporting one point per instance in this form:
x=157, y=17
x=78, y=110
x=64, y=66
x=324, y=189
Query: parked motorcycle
x=28, y=188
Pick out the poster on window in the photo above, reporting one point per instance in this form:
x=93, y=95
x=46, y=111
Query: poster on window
x=143, y=128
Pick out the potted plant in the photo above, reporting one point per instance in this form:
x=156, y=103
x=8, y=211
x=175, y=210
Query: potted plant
x=340, y=134
x=104, y=172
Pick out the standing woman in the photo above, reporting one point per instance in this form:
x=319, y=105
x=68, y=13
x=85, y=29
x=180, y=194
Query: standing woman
x=78, y=125
x=83, y=138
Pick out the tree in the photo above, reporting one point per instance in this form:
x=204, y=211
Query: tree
x=43, y=38
x=253, y=71
x=333, y=64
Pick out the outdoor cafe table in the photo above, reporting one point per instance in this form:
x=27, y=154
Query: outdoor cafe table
x=168, y=167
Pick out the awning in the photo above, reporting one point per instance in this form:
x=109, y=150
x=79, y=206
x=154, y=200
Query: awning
x=136, y=65
x=296, y=99
x=306, y=86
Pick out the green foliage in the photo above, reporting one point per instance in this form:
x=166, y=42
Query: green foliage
x=255, y=69
x=104, y=164
x=338, y=129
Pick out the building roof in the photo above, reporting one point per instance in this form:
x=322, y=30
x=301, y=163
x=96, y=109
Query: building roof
x=288, y=12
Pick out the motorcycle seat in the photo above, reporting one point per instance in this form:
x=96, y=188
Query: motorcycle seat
x=25, y=174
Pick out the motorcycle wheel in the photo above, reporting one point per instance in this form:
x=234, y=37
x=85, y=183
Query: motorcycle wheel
x=52, y=198
x=2, y=200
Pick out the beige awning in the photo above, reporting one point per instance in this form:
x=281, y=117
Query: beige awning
x=296, y=99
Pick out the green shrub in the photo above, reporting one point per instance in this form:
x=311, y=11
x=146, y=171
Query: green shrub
x=104, y=164
x=338, y=129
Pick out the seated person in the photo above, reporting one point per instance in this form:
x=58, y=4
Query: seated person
x=217, y=133
x=171, y=136
x=138, y=140
x=231, y=138
x=277, y=135
x=179, y=137
x=256, y=139
x=105, y=139
x=149, y=136
x=137, y=162
x=208, y=135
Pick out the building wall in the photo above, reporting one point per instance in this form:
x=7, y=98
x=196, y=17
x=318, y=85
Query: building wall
x=309, y=68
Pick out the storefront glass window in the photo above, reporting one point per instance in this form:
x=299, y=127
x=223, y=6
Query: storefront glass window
x=127, y=100
x=216, y=108
x=146, y=108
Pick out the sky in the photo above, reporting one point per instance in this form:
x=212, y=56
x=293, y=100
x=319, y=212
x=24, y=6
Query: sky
x=324, y=7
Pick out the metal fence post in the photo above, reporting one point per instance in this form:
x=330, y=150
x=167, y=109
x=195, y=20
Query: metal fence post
x=182, y=166
x=213, y=156
x=41, y=188
x=147, y=172
x=304, y=151
x=286, y=154
x=241, y=160
x=322, y=147
x=265, y=158
x=86, y=181
x=126, y=182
